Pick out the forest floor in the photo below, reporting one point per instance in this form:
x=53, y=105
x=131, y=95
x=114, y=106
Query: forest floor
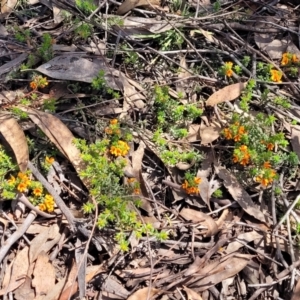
x=150, y=150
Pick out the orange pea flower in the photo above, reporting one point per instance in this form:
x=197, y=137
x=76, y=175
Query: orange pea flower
x=276, y=75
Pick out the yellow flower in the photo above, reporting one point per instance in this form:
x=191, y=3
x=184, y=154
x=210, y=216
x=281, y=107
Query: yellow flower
x=197, y=180
x=243, y=148
x=228, y=65
x=22, y=187
x=227, y=134
x=121, y=148
x=276, y=75
x=21, y=175
x=237, y=138
x=42, y=206
x=229, y=73
x=37, y=192
x=49, y=203
x=285, y=59
x=244, y=161
x=295, y=59
x=33, y=85
x=267, y=165
x=185, y=185
x=12, y=180
x=113, y=121
x=131, y=180
x=136, y=191
x=192, y=190
x=49, y=160
x=270, y=146
x=235, y=158
x=108, y=130
x=241, y=130
x=228, y=69
x=49, y=198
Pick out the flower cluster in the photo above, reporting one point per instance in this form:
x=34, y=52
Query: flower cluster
x=34, y=189
x=38, y=82
x=228, y=69
x=190, y=185
x=242, y=155
x=120, y=148
x=288, y=58
x=270, y=146
x=235, y=132
x=276, y=75
x=266, y=175
x=113, y=128
x=134, y=186
x=22, y=181
x=47, y=204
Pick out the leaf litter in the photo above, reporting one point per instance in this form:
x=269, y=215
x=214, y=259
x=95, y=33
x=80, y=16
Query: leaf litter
x=217, y=245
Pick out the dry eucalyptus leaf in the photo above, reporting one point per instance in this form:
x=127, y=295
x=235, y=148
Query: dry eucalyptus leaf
x=210, y=133
x=207, y=188
x=225, y=268
x=59, y=134
x=200, y=217
x=7, y=6
x=227, y=93
x=191, y=294
x=143, y=293
x=42, y=286
x=295, y=140
x=37, y=243
x=128, y=5
x=194, y=133
x=246, y=237
x=150, y=25
x=14, y=135
x=296, y=292
x=239, y=194
x=20, y=265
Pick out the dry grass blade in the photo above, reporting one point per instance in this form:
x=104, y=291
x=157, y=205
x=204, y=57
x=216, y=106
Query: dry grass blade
x=227, y=93
x=14, y=135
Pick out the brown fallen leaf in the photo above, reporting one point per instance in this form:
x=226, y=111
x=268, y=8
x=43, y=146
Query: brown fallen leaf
x=239, y=194
x=295, y=140
x=197, y=217
x=296, y=292
x=246, y=237
x=227, y=93
x=20, y=265
x=25, y=291
x=37, y=243
x=128, y=5
x=70, y=288
x=194, y=133
x=59, y=134
x=192, y=295
x=142, y=294
x=7, y=6
x=224, y=268
x=210, y=133
x=42, y=286
x=14, y=135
